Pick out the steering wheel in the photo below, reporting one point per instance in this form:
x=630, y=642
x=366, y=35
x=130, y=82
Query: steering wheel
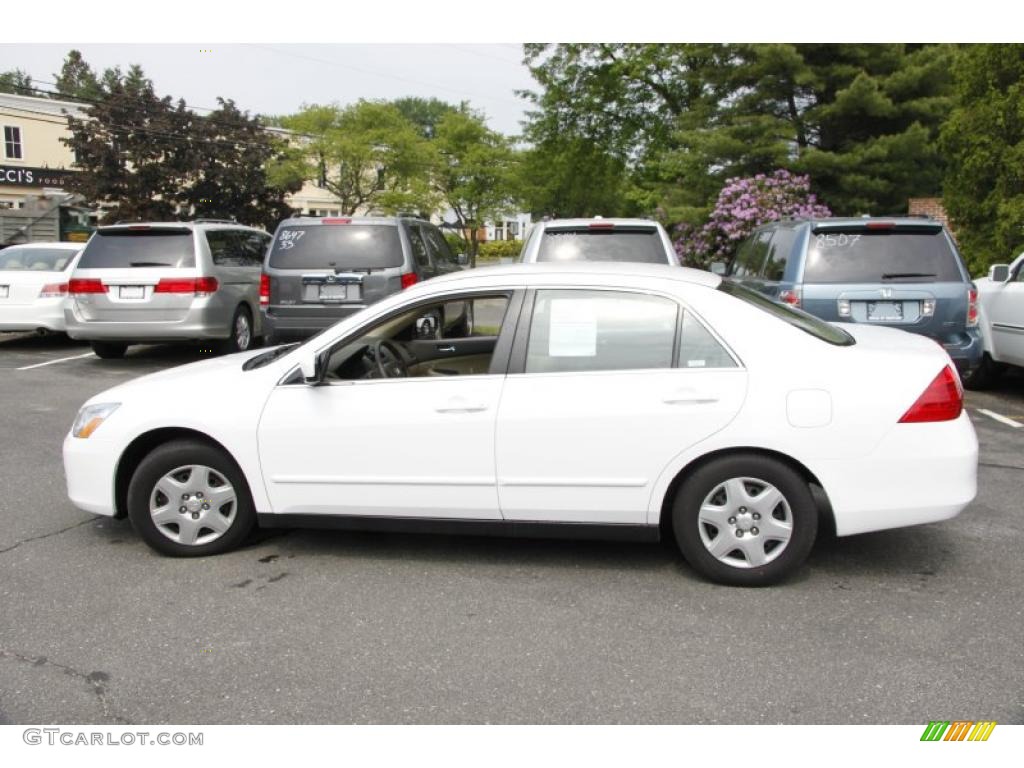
x=396, y=366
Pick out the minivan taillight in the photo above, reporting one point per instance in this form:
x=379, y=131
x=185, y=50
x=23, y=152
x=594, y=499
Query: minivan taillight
x=199, y=286
x=408, y=279
x=943, y=400
x=972, y=306
x=264, y=290
x=53, y=291
x=791, y=297
x=79, y=286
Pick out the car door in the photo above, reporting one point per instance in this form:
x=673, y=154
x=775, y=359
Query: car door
x=393, y=447
x=605, y=388
x=1004, y=307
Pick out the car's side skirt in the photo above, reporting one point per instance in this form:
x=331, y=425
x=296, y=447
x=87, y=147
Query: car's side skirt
x=507, y=528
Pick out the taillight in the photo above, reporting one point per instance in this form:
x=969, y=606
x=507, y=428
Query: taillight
x=972, y=306
x=943, y=400
x=409, y=278
x=791, y=297
x=264, y=290
x=86, y=285
x=53, y=291
x=199, y=286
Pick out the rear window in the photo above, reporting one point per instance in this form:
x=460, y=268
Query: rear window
x=858, y=255
x=640, y=244
x=39, y=259
x=338, y=246
x=795, y=317
x=157, y=247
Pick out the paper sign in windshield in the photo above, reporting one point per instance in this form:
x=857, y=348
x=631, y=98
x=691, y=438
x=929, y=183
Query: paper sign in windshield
x=573, y=329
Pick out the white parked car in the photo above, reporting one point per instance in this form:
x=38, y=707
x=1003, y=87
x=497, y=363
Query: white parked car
x=34, y=285
x=1001, y=322
x=581, y=400
x=598, y=239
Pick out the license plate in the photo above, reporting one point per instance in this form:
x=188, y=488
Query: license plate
x=5, y=290
x=335, y=292
x=132, y=292
x=885, y=310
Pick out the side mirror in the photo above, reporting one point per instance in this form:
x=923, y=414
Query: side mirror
x=462, y=259
x=427, y=327
x=718, y=267
x=999, y=273
x=309, y=365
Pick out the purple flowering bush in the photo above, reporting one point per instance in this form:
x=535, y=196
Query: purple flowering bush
x=742, y=206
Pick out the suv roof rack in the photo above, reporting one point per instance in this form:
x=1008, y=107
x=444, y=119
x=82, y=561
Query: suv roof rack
x=214, y=221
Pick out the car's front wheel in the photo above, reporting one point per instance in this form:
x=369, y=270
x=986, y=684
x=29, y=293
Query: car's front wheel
x=745, y=520
x=188, y=499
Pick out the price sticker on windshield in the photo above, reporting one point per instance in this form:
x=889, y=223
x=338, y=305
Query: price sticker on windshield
x=841, y=240
x=289, y=237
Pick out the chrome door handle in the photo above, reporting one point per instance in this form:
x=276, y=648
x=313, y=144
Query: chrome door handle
x=460, y=405
x=446, y=349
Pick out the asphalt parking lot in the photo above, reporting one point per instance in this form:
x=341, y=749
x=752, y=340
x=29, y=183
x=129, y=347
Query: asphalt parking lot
x=904, y=626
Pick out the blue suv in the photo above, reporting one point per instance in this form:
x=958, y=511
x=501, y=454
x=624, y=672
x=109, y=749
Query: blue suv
x=900, y=272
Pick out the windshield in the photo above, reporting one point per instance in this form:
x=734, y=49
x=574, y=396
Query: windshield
x=36, y=259
x=156, y=247
x=337, y=246
x=817, y=328
x=638, y=244
x=858, y=255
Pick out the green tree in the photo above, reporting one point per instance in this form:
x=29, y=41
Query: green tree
x=474, y=172
x=425, y=114
x=983, y=140
x=571, y=176
x=76, y=79
x=368, y=155
x=16, y=81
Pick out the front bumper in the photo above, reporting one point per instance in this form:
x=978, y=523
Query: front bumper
x=89, y=468
x=920, y=473
x=45, y=314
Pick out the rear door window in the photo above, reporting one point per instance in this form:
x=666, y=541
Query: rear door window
x=252, y=246
x=636, y=244
x=859, y=255
x=751, y=255
x=155, y=247
x=337, y=246
x=224, y=247
x=419, y=248
x=778, y=254
x=442, y=251
x=39, y=259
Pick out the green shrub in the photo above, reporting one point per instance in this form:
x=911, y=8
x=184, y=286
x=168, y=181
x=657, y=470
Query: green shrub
x=498, y=249
x=456, y=243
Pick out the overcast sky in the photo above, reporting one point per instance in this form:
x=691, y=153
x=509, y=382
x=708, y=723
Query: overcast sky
x=279, y=78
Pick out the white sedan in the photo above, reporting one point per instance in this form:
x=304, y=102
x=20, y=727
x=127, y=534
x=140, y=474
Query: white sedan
x=1001, y=322
x=579, y=400
x=34, y=285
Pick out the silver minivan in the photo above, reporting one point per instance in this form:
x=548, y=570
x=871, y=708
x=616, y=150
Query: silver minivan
x=599, y=239
x=167, y=281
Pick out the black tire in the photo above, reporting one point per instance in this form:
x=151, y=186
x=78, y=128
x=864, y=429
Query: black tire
x=163, y=460
x=687, y=527
x=986, y=375
x=234, y=342
x=108, y=351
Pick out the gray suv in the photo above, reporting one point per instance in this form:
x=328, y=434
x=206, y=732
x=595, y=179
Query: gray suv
x=167, y=281
x=900, y=272
x=321, y=270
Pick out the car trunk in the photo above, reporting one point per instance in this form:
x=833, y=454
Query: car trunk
x=21, y=287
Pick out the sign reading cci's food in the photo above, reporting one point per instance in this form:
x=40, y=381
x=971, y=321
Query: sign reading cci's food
x=20, y=176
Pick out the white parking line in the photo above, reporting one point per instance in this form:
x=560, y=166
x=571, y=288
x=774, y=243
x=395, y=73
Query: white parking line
x=1002, y=419
x=52, y=362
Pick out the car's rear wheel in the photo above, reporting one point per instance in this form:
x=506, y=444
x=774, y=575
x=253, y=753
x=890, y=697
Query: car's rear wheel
x=745, y=520
x=985, y=375
x=188, y=499
x=108, y=351
x=241, y=338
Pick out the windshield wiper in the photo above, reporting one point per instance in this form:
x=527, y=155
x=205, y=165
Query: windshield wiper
x=149, y=264
x=895, y=275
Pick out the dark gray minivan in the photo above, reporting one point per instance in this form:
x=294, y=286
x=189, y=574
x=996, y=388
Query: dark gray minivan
x=319, y=270
x=900, y=272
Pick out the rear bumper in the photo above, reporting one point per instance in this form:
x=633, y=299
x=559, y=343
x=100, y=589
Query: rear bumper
x=302, y=326
x=966, y=356
x=47, y=314
x=921, y=473
x=196, y=324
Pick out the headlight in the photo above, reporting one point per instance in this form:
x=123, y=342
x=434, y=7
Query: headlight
x=90, y=418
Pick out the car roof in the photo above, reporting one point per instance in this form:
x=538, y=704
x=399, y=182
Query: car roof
x=847, y=221
x=598, y=220
x=388, y=220
x=175, y=225
x=57, y=244
x=577, y=269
